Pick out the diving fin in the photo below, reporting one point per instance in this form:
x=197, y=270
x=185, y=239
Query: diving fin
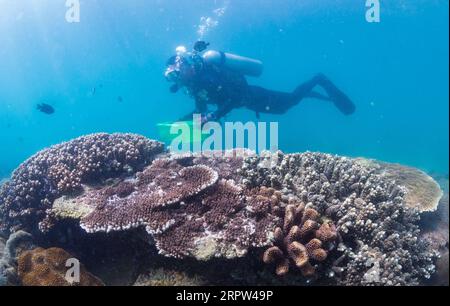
x=195, y=135
x=340, y=99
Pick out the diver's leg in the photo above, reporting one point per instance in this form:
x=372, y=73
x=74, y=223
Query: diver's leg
x=340, y=99
x=305, y=90
x=262, y=100
x=318, y=96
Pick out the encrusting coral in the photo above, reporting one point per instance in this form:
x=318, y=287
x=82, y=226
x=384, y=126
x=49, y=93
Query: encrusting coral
x=62, y=169
x=47, y=267
x=302, y=241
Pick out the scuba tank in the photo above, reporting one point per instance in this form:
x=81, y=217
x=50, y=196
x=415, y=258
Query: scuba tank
x=240, y=64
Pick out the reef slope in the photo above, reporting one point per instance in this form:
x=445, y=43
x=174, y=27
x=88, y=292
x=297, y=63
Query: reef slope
x=295, y=218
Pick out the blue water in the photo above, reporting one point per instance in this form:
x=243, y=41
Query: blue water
x=396, y=71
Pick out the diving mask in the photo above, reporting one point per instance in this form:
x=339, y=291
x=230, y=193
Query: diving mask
x=182, y=62
x=172, y=74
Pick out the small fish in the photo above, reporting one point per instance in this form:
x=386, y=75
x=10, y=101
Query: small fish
x=45, y=108
x=120, y=99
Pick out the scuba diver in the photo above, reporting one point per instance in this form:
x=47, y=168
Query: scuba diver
x=218, y=78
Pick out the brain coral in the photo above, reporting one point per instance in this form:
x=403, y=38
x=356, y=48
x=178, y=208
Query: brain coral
x=40, y=267
x=63, y=168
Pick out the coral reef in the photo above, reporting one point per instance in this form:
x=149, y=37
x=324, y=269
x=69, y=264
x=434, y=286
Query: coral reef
x=8, y=275
x=380, y=233
x=301, y=242
x=186, y=204
x=40, y=267
x=2, y=246
x=313, y=217
x=18, y=242
x=423, y=192
x=434, y=228
x=3, y=181
x=62, y=169
x=166, y=277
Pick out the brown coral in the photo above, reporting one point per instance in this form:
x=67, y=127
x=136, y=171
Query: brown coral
x=423, y=192
x=302, y=241
x=40, y=267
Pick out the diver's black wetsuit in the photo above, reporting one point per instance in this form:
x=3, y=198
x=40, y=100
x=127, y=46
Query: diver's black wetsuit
x=229, y=90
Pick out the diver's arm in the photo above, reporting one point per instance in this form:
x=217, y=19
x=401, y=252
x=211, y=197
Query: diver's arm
x=221, y=112
x=200, y=108
x=213, y=116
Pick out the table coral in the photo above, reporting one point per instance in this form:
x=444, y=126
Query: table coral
x=423, y=192
x=130, y=204
x=188, y=207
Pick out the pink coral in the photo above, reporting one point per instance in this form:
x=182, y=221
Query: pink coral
x=61, y=169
